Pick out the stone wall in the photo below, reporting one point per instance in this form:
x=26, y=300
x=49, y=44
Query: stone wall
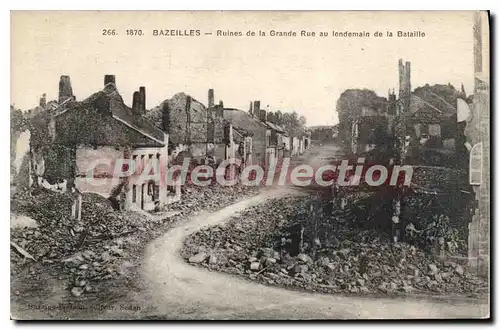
x=479, y=229
x=478, y=131
x=187, y=120
x=243, y=120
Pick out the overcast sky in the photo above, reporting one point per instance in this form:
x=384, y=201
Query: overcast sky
x=305, y=74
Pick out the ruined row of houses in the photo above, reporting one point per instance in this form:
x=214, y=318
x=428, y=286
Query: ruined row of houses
x=432, y=133
x=68, y=137
x=453, y=134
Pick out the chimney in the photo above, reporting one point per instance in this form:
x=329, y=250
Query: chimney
x=250, y=109
x=221, y=104
x=165, y=116
x=392, y=96
x=478, y=43
x=142, y=91
x=211, y=98
x=109, y=78
x=136, y=103
x=262, y=115
x=278, y=117
x=65, y=90
x=270, y=117
x=256, y=107
x=43, y=100
x=401, y=78
x=408, y=78
x=219, y=111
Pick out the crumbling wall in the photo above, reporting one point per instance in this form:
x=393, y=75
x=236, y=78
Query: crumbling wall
x=477, y=132
x=435, y=210
x=20, y=159
x=241, y=119
x=89, y=126
x=187, y=119
x=19, y=148
x=52, y=162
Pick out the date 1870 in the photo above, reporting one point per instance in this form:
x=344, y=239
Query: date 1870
x=128, y=32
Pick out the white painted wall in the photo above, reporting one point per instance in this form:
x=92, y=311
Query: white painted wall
x=88, y=158
x=138, y=180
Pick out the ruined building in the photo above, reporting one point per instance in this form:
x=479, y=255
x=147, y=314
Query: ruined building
x=81, y=144
x=252, y=122
x=477, y=132
x=196, y=131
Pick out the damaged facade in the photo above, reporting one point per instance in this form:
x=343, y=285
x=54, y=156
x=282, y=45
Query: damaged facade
x=424, y=130
x=73, y=142
x=258, y=147
x=195, y=130
x=76, y=145
x=430, y=124
x=218, y=133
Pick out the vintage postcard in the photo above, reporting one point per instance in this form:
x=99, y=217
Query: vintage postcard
x=248, y=165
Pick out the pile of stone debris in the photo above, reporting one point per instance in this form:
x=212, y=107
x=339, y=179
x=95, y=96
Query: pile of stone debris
x=353, y=260
x=210, y=198
x=83, y=250
x=96, y=247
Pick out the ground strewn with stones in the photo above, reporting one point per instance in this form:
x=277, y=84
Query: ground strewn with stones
x=95, y=259
x=262, y=244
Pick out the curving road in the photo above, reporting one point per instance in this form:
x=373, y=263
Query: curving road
x=174, y=289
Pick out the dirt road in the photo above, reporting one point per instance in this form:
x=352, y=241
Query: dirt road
x=177, y=290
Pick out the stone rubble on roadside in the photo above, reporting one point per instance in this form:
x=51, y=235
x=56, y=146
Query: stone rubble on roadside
x=95, y=248
x=198, y=258
x=362, y=262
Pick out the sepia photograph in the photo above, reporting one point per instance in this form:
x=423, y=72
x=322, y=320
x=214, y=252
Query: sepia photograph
x=250, y=165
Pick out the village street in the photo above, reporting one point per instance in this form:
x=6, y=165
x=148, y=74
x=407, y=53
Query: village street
x=196, y=173
x=174, y=289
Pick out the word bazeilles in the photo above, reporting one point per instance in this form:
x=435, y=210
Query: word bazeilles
x=177, y=33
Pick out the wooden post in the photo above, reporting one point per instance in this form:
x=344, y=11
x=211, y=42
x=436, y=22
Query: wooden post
x=79, y=207
x=76, y=208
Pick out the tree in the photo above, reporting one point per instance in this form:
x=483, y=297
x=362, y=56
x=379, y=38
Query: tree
x=290, y=121
x=278, y=117
x=302, y=120
x=18, y=122
x=447, y=92
x=292, y=124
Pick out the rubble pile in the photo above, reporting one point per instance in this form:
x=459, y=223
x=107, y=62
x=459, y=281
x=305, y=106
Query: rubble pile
x=58, y=235
x=438, y=208
x=83, y=251
x=437, y=220
x=95, y=248
x=240, y=235
x=435, y=210
x=348, y=259
x=213, y=197
x=441, y=178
